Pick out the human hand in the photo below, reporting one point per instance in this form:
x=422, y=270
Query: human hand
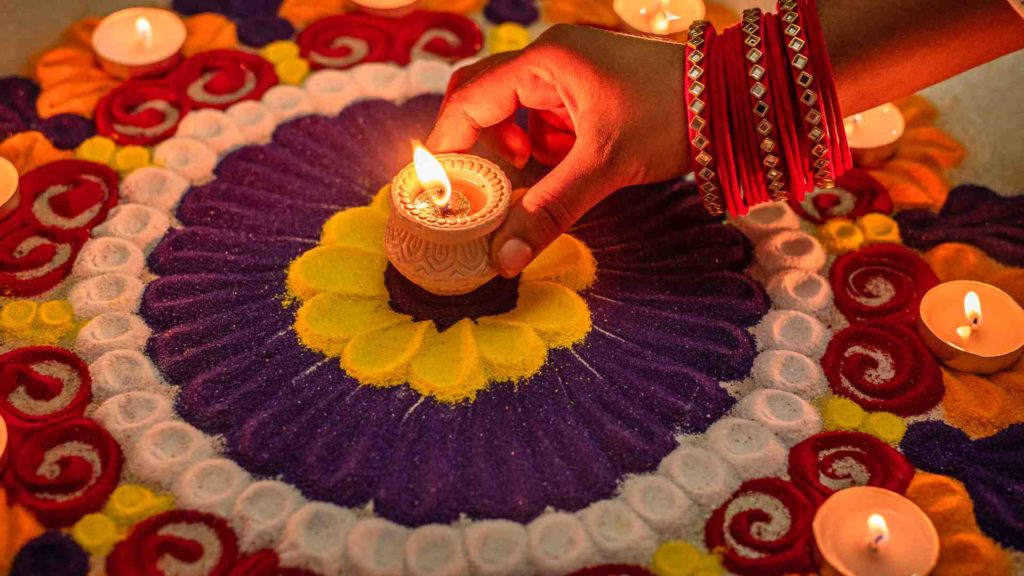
x=623, y=97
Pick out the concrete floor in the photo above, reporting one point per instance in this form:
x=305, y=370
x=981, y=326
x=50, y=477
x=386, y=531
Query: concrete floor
x=983, y=108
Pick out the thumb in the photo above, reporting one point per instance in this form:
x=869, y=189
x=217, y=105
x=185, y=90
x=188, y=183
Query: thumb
x=548, y=209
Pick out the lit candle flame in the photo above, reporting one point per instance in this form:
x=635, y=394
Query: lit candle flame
x=661, y=18
x=972, y=309
x=144, y=30
x=878, y=532
x=431, y=175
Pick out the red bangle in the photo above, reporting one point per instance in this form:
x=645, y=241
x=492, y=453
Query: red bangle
x=787, y=119
x=721, y=135
x=840, y=147
x=695, y=84
x=814, y=116
x=762, y=107
x=741, y=126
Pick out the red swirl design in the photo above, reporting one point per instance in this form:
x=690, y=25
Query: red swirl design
x=346, y=40
x=65, y=471
x=141, y=551
x=856, y=193
x=32, y=262
x=737, y=524
x=881, y=282
x=844, y=459
x=140, y=113
x=220, y=78
x=264, y=563
x=884, y=366
x=66, y=197
x=613, y=570
x=442, y=35
x=28, y=387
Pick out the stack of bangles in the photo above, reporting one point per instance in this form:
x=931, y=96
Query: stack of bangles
x=762, y=109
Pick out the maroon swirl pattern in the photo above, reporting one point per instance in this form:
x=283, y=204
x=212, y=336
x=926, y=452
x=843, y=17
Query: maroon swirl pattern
x=830, y=461
x=41, y=386
x=346, y=40
x=881, y=283
x=856, y=193
x=140, y=113
x=153, y=540
x=32, y=262
x=219, y=78
x=755, y=538
x=884, y=366
x=65, y=471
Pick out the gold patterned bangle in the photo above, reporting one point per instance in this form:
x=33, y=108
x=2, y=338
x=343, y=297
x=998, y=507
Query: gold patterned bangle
x=759, y=91
x=697, y=119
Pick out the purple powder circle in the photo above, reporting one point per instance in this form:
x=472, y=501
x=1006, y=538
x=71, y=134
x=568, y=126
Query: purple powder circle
x=51, y=554
x=67, y=131
x=670, y=307
x=523, y=12
x=258, y=31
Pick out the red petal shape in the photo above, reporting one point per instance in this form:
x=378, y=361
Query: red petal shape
x=220, y=78
x=868, y=195
x=881, y=282
x=77, y=488
x=18, y=370
x=33, y=261
x=67, y=197
x=140, y=552
x=142, y=113
x=830, y=454
x=338, y=41
x=910, y=384
x=789, y=552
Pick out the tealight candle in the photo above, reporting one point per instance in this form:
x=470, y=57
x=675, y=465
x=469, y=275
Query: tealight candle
x=444, y=210
x=390, y=8
x=660, y=17
x=9, y=197
x=137, y=42
x=869, y=531
x=972, y=326
x=874, y=128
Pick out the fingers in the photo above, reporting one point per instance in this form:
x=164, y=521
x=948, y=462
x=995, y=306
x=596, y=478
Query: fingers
x=510, y=141
x=548, y=209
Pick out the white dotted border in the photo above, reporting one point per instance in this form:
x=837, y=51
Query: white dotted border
x=137, y=407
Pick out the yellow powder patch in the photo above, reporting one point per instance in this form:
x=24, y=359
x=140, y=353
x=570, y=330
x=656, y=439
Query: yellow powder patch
x=879, y=228
x=326, y=322
x=132, y=503
x=339, y=269
x=359, y=227
x=30, y=150
x=885, y=426
x=382, y=357
x=382, y=201
x=566, y=261
x=208, y=31
x=17, y=526
x=840, y=413
x=279, y=51
x=984, y=405
x=840, y=235
x=449, y=366
x=559, y=315
x=964, y=550
x=955, y=261
x=511, y=352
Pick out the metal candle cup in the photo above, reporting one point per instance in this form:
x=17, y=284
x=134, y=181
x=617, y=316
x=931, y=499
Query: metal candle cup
x=139, y=42
x=447, y=251
x=997, y=342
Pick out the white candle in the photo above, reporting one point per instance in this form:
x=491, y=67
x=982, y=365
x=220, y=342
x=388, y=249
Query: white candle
x=8, y=187
x=659, y=16
x=972, y=326
x=874, y=128
x=138, y=41
x=393, y=8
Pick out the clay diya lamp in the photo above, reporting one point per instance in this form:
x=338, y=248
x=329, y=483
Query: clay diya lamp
x=444, y=211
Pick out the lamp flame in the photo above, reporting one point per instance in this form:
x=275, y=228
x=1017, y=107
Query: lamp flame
x=878, y=532
x=144, y=31
x=972, y=309
x=661, y=18
x=431, y=175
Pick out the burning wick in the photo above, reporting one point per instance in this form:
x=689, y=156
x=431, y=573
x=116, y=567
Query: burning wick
x=972, y=310
x=437, y=198
x=661, y=18
x=878, y=532
x=144, y=31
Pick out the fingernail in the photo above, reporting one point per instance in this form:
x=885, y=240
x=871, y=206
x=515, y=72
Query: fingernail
x=514, y=256
x=521, y=159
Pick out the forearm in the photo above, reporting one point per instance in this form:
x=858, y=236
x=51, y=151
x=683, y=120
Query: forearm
x=885, y=49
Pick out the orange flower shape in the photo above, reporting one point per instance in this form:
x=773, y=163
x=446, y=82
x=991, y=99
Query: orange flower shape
x=30, y=150
x=17, y=526
x=912, y=168
x=71, y=79
x=964, y=550
x=208, y=31
x=456, y=6
x=302, y=13
x=956, y=261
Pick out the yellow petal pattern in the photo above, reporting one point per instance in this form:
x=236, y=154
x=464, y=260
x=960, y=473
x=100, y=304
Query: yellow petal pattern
x=511, y=352
x=326, y=322
x=560, y=317
x=449, y=366
x=566, y=261
x=360, y=227
x=338, y=269
x=382, y=357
